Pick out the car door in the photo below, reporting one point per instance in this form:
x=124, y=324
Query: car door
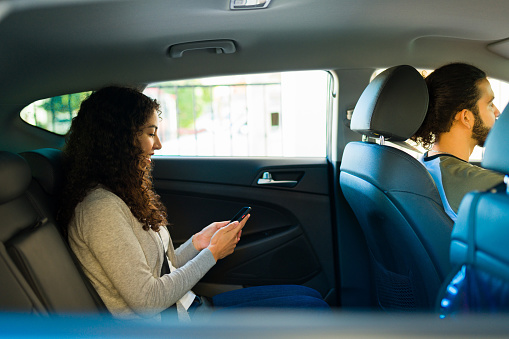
x=287, y=240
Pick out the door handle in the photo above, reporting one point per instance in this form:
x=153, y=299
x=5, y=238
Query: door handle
x=267, y=179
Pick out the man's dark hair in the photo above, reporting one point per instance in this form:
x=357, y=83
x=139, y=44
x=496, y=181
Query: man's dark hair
x=452, y=88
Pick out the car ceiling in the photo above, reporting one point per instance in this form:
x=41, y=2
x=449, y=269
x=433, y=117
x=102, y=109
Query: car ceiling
x=64, y=46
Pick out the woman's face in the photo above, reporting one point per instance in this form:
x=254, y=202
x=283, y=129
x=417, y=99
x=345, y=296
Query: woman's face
x=148, y=138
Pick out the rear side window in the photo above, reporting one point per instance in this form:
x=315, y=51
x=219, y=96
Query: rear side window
x=276, y=114
x=54, y=114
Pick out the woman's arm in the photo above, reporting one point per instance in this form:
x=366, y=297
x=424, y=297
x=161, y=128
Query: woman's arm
x=196, y=243
x=107, y=231
x=184, y=253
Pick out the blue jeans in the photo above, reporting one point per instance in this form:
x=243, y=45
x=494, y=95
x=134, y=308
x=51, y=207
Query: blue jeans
x=272, y=296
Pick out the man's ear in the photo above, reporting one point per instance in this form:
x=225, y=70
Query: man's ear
x=465, y=118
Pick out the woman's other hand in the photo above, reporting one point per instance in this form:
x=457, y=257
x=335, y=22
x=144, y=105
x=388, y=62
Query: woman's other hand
x=201, y=239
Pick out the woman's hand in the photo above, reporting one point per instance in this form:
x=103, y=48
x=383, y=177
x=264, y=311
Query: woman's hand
x=201, y=239
x=224, y=241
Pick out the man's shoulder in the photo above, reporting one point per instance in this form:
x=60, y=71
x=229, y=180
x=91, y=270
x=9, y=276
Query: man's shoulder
x=465, y=168
x=468, y=175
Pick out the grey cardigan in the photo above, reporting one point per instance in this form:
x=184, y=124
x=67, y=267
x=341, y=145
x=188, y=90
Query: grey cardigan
x=123, y=261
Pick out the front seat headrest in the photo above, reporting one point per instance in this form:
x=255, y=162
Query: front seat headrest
x=394, y=104
x=15, y=176
x=496, y=154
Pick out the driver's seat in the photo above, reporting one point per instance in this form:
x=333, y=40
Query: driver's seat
x=394, y=197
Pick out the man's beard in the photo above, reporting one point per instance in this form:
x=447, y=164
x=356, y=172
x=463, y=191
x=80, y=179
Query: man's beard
x=480, y=130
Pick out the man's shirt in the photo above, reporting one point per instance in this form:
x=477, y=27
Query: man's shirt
x=455, y=178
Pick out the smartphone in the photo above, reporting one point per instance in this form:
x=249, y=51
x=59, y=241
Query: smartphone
x=241, y=214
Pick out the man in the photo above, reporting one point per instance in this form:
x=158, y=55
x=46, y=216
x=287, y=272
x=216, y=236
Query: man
x=460, y=115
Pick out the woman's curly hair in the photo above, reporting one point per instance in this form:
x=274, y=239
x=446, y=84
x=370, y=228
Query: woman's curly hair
x=102, y=149
x=452, y=88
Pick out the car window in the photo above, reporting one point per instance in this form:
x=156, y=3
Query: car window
x=275, y=114
x=54, y=114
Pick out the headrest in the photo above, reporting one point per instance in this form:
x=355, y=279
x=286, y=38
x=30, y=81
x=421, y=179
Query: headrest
x=496, y=154
x=46, y=165
x=394, y=104
x=15, y=176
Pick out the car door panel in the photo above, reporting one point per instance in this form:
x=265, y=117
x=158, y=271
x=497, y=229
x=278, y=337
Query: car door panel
x=288, y=239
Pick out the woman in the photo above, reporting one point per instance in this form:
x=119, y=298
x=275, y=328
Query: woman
x=117, y=223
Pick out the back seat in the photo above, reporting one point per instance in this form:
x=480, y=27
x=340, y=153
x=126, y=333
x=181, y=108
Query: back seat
x=38, y=271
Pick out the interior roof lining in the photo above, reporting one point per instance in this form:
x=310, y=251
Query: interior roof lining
x=130, y=39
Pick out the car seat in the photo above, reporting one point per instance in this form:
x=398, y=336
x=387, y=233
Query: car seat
x=15, y=293
x=37, y=260
x=394, y=197
x=479, y=250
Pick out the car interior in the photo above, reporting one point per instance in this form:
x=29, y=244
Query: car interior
x=358, y=217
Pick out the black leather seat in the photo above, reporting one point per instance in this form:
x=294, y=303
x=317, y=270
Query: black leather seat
x=36, y=258
x=16, y=214
x=394, y=197
x=47, y=172
x=479, y=248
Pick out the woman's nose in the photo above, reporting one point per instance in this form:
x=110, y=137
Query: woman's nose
x=157, y=144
